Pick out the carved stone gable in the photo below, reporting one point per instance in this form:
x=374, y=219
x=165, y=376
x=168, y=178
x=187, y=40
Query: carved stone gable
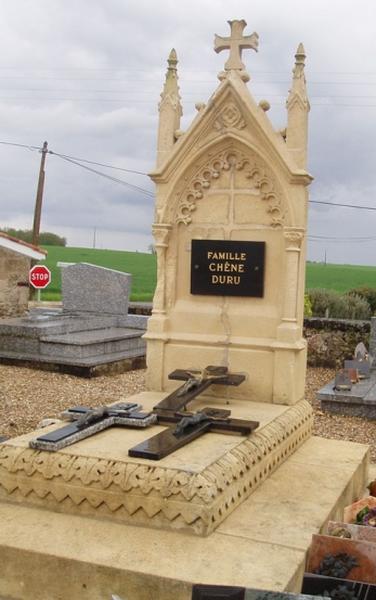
x=257, y=183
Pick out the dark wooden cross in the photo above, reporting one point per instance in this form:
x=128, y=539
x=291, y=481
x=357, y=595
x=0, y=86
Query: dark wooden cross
x=189, y=426
x=235, y=43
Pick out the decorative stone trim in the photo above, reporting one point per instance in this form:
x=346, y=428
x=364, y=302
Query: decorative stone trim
x=293, y=238
x=140, y=493
x=260, y=181
x=230, y=116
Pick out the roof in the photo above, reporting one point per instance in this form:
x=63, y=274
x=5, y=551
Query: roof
x=11, y=243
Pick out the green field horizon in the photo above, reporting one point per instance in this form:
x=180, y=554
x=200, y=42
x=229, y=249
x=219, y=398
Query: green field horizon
x=143, y=268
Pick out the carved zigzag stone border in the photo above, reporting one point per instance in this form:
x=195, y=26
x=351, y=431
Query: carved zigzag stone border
x=140, y=494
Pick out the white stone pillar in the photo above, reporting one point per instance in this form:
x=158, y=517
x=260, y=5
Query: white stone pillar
x=293, y=240
x=161, y=232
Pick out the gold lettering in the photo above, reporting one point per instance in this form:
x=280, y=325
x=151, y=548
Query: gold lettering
x=229, y=279
x=214, y=278
x=241, y=268
x=212, y=267
x=236, y=280
x=243, y=256
x=220, y=267
x=210, y=254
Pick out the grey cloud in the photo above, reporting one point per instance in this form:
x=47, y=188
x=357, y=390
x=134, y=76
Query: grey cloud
x=87, y=78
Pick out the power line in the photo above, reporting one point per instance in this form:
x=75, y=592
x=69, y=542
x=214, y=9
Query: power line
x=78, y=161
x=344, y=205
x=99, y=164
x=343, y=239
x=75, y=158
x=115, y=179
x=338, y=241
x=22, y=145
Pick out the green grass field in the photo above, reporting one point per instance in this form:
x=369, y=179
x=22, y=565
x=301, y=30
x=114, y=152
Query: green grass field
x=340, y=278
x=143, y=268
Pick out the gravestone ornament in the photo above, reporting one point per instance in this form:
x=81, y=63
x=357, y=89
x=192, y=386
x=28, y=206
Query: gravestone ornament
x=363, y=367
x=342, y=380
x=360, y=352
x=188, y=426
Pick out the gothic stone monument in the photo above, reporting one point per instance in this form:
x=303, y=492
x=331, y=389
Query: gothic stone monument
x=230, y=224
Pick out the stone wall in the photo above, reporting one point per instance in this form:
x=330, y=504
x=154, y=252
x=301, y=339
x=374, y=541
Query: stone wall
x=14, y=270
x=331, y=341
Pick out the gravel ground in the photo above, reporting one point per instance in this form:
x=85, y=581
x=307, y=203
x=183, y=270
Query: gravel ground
x=27, y=396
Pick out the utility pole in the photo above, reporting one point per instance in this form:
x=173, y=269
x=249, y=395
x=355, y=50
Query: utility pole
x=39, y=197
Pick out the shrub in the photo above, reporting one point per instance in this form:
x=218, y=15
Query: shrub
x=307, y=306
x=328, y=303
x=322, y=302
x=368, y=293
x=355, y=307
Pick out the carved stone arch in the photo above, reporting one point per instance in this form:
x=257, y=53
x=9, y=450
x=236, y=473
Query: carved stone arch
x=194, y=184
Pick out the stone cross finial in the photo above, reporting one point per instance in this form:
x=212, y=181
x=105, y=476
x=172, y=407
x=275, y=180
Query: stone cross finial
x=236, y=42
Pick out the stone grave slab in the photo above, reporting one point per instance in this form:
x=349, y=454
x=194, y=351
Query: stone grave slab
x=181, y=491
x=104, y=556
x=92, y=334
x=359, y=401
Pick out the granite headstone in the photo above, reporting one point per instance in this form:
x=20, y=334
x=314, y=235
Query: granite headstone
x=93, y=289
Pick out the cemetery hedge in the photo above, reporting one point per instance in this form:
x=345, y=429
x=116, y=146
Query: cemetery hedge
x=142, y=265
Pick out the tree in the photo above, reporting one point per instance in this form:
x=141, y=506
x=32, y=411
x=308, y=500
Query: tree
x=45, y=238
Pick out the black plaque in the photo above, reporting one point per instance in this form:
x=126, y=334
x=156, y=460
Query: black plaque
x=227, y=268
x=217, y=592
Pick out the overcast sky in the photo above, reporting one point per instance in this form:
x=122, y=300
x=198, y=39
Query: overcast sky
x=85, y=75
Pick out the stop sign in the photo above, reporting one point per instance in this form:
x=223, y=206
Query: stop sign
x=39, y=276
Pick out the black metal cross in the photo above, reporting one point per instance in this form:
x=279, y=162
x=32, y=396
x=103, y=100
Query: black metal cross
x=88, y=421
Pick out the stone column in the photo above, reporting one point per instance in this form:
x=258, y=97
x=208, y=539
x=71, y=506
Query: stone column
x=293, y=239
x=161, y=232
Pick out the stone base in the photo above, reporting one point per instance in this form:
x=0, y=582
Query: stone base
x=262, y=544
x=194, y=489
x=93, y=368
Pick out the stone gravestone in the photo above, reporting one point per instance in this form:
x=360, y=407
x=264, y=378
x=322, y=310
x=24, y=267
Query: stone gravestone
x=230, y=238
x=230, y=226
x=93, y=289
